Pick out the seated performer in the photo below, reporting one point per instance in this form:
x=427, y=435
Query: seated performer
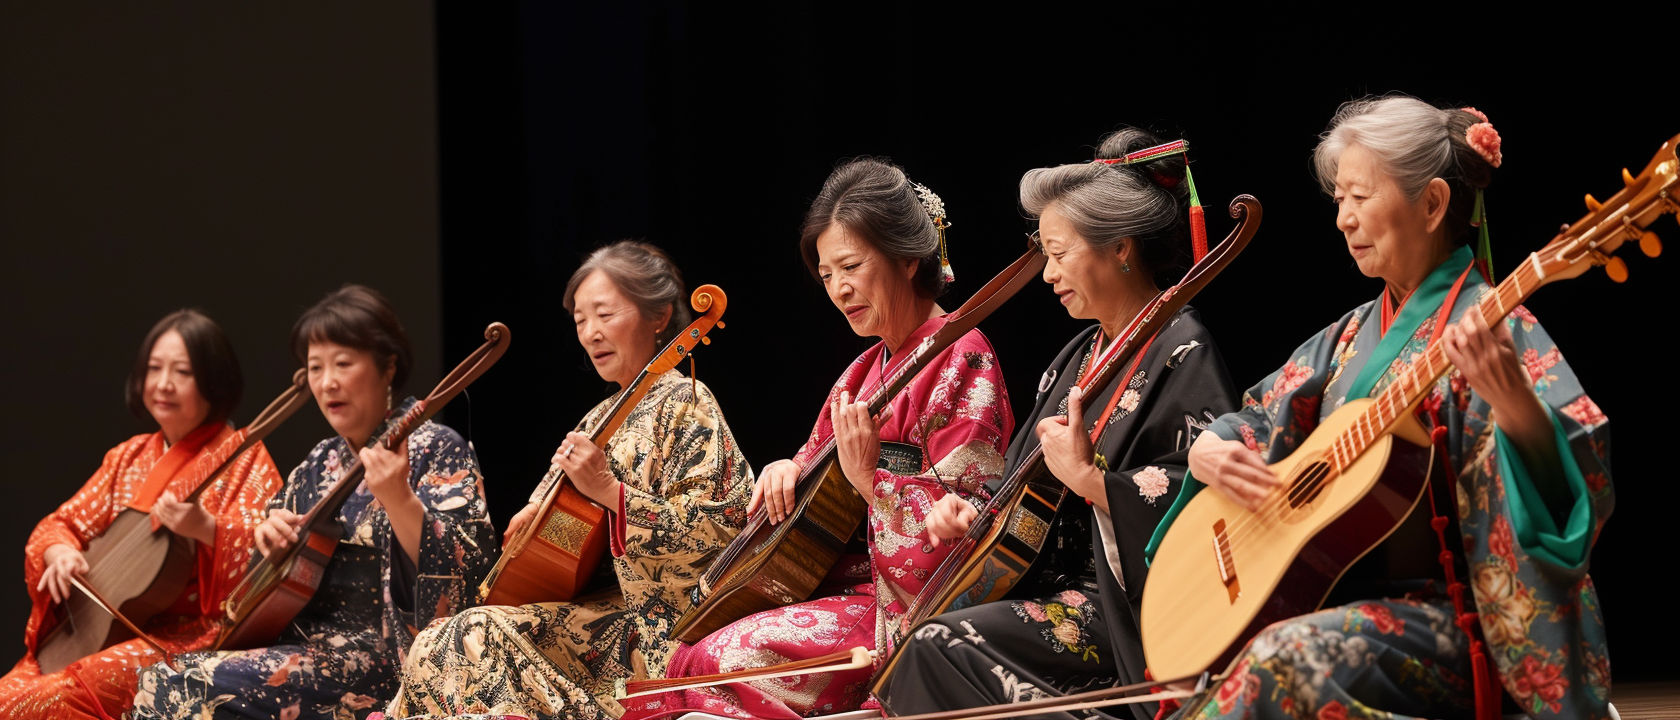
x=1528, y=448
x=415, y=538
x=877, y=248
x=187, y=380
x=1115, y=234
x=677, y=486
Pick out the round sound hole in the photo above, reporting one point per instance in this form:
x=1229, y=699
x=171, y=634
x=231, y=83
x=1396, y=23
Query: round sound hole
x=1307, y=483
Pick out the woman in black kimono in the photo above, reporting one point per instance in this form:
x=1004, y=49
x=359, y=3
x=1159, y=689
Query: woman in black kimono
x=1115, y=234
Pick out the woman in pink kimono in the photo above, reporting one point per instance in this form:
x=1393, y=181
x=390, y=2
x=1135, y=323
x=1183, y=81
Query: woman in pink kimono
x=874, y=239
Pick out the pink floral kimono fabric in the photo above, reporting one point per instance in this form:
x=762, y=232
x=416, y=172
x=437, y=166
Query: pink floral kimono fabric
x=957, y=413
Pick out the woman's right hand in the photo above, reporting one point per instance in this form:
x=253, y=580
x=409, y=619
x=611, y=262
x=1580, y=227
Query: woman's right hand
x=949, y=519
x=520, y=520
x=63, y=563
x=278, y=531
x=1233, y=469
x=775, y=490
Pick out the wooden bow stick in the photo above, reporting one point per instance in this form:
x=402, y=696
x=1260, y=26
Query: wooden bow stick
x=101, y=602
x=856, y=658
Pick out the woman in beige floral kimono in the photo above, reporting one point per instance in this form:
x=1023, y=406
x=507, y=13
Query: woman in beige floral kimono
x=677, y=487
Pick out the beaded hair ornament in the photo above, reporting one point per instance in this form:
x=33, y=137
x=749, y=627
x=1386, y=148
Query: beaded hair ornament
x=935, y=209
x=1198, y=223
x=1482, y=138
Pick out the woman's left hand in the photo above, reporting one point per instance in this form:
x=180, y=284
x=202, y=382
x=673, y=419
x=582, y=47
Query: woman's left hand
x=586, y=467
x=188, y=520
x=1067, y=451
x=857, y=436
x=387, y=474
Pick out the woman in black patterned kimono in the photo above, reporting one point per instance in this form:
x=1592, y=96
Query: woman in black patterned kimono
x=677, y=487
x=1115, y=234
x=416, y=539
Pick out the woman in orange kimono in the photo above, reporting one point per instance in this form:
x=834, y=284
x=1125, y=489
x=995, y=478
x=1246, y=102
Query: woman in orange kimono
x=187, y=379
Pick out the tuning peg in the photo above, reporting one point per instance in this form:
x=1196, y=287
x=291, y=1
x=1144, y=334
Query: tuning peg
x=705, y=341
x=721, y=325
x=1593, y=204
x=1627, y=177
x=1650, y=244
x=1616, y=268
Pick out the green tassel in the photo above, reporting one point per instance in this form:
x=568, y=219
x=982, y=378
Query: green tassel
x=1484, y=248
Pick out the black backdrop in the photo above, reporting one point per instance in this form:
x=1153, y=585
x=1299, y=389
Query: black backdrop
x=707, y=131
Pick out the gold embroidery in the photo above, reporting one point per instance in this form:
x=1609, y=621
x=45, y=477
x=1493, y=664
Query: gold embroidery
x=1029, y=528
x=565, y=532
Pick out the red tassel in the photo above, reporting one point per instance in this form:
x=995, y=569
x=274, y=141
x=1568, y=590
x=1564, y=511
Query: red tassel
x=1198, y=233
x=1489, y=694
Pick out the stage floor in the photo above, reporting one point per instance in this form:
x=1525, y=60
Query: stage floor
x=1647, y=701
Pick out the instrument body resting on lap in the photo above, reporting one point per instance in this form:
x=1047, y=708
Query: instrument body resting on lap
x=139, y=567
x=1003, y=544
x=772, y=565
x=553, y=557
x=281, y=585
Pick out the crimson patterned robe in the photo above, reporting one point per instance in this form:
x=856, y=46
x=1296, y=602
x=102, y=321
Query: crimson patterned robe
x=956, y=411
x=102, y=685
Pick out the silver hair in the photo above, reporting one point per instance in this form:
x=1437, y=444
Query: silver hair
x=1408, y=136
x=646, y=275
x=1414, y=142
x=1107, y=203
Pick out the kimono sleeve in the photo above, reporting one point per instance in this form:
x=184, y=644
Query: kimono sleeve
x=1581, y=432
x=238, y=501
x=457, y=541
x=1193, y=381
x=553, y=474
x=966, y=422
x=698, y=500
x=69, y=524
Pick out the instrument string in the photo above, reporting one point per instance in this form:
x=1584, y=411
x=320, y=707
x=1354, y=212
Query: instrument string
x=1409, y=387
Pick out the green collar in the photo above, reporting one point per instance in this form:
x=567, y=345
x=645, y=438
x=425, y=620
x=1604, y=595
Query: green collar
x=1419, y=307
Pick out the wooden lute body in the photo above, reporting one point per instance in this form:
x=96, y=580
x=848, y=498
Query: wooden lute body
x=554, y=556
x=1285, y=567
x=1004, y=542
x=1222, y=573
x=141, y=571
x=772, y=565
x=282, y=584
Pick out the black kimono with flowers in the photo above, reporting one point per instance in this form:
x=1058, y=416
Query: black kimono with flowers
x=1079, y=630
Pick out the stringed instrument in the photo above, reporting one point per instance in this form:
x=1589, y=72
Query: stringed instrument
x=280, y=585
x=135, y=571
x=771, y=565
x=993, y=555
x=1222, y=573
x=555, y=554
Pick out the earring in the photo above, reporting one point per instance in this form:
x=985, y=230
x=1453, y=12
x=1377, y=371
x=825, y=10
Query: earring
x=387, y=398
x=1125, y=267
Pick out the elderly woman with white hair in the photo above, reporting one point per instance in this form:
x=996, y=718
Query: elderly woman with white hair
x=1526, y=480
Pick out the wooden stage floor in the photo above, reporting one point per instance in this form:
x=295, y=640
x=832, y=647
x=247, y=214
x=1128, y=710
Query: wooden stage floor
x=1647, y=701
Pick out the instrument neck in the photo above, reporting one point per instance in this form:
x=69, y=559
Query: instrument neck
x=1418, y=379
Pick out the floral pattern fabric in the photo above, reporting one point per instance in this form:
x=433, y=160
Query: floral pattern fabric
x=102, y=685
x=340, y=656
x=686, y=486
x=1178, y=386
x=957, y=411
x=1528, y=573
x=1004, y=652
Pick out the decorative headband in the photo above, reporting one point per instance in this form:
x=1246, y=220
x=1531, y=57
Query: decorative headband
x=935, y=209
x=1198, y=224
